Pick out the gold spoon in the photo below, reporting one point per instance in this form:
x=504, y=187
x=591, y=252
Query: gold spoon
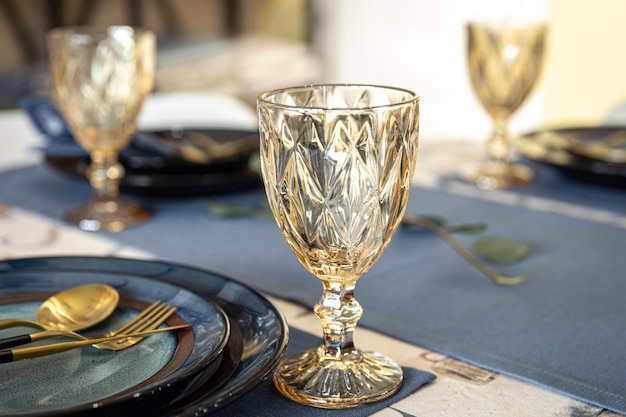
x=76, y=308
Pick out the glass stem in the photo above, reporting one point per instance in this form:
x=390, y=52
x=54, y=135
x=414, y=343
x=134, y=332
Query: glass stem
x=104, y=174
x=339, y=313
x=498, y=145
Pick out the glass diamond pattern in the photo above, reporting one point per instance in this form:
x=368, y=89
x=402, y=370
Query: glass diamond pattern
x=337, y=179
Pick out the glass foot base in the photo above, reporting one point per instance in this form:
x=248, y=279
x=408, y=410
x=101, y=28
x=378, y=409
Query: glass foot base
x=112, y=216
x=497, y=177
x=355, y=379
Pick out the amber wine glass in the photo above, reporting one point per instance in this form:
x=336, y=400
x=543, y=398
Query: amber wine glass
x=504, y=63
x=337, y=163
x=99, y=79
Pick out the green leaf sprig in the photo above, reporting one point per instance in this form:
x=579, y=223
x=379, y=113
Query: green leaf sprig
x=218, y=209
x=495, y=249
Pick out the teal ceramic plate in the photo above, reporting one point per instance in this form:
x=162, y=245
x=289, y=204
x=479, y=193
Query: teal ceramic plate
x=91, y=381
x=260, y=325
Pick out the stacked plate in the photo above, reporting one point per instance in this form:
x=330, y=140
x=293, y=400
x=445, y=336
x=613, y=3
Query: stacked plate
x=173, y=163
x=591, y=154
x=236, y=339
x=180, y=160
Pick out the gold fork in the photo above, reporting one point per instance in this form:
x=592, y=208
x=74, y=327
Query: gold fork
x=149, y=318
x=12, y=355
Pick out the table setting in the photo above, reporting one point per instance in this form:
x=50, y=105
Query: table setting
x=255, y=225
x=159, y=161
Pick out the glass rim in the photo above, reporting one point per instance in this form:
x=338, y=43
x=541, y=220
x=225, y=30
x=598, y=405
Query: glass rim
x=509, y=25
x=96, y=30
x=263, y=96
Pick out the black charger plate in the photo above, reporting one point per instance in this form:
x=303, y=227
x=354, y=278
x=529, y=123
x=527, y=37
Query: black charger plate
x=159, y=174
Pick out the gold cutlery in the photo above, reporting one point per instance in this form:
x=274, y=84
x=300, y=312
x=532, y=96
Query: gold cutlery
x=12, y=355
x=149, y=318
x=197, y=146
x=609, y=149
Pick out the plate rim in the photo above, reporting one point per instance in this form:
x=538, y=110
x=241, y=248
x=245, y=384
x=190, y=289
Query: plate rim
x=144, y=184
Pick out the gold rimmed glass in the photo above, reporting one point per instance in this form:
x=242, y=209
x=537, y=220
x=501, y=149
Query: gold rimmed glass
x=504, y=63
x=337, y=164
x=99, y=79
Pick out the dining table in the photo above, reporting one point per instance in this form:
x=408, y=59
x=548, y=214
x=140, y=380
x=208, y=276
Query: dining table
x=553, y=345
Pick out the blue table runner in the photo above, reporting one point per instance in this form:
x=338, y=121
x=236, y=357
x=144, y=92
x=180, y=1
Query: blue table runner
x=563, y=330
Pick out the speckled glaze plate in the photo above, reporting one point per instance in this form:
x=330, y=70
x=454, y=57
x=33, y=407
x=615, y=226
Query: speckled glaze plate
x=259, y=324
x=92, y=381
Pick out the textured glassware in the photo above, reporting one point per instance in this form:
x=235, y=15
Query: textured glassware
x=337, y=164
x=504, y=64
x=99, y=79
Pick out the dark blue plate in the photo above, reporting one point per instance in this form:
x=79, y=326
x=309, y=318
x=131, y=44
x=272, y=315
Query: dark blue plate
x=83, y=379
x=157, y=175
x=153, y=162
x=263, y=328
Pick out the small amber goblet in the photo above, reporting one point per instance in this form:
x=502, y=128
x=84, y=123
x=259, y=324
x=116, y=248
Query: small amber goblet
x=504, y=63
x=99, y=79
